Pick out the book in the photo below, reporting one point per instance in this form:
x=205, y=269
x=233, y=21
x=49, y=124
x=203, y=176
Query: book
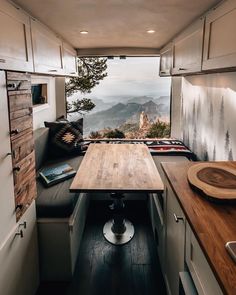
x=56, y=174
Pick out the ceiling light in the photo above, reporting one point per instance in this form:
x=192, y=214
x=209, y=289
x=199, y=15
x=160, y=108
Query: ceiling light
x=84, y=32
x=151, y=31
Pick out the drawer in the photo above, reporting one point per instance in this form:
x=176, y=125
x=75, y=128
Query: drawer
x=24, y=170
x=17, y=126
x=22, y=147
x=202, y=275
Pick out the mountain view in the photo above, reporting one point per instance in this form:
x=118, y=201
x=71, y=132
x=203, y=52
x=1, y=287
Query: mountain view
x=132, y=101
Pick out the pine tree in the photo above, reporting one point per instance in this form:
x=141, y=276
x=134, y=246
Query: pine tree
x=91, y=70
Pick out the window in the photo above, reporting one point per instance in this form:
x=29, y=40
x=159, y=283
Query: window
x=131, y=102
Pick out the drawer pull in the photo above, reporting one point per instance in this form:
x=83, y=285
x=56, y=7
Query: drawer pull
x=2, y=60
x=73, y=73
x=53, y=71
x=24, y=224
x=163, y=72
x=16, y=169
x=14, y=132
x=20, y=233
x=182, y=69
x=178, y=218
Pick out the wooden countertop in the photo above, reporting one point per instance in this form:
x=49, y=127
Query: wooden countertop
x=213, y=224
x=117, y=168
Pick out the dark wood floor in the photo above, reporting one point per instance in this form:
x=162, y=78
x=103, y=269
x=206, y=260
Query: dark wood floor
x=131, y=269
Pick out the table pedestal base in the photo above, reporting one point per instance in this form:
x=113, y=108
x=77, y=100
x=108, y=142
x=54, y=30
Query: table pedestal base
x=118, y=239
x=118, y=231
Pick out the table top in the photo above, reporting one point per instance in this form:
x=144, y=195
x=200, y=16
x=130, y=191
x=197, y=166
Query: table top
x=213, y=224
x=117, y=168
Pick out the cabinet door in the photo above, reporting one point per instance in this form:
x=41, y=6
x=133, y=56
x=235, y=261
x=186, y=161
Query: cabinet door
x=69, y=60
x=47, y=50
x=16, y=48
x=7, y=204
x=188, y=48
x=166, y=59
x=220, y=37
x=199, y=268
x=175, y=241
x=19, y=272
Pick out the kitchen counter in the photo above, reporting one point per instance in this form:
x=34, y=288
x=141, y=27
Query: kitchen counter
x=213, y=224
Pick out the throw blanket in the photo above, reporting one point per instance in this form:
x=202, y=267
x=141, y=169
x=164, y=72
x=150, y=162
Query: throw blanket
x=168, y=147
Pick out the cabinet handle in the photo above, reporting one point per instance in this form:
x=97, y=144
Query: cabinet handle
x=73, y=73
x=20, y=233
x=16, y=169
x=178, y=218
x=182, y=69
x=53, y=71
x=24, y=224
x=2, y=60
x=163, y=72
x=14, y=132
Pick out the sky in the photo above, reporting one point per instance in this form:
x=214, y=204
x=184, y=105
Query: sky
x=133, y=76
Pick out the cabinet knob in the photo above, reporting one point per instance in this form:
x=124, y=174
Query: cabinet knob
x=16, y=169
x=20, y=233
x=14, y=132
x=2, y=60
x=178, y=218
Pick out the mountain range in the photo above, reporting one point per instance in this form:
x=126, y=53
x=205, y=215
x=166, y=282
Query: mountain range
x=128, y=112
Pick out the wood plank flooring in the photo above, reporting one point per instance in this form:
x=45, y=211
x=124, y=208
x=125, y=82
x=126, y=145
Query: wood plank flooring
x=131, y=269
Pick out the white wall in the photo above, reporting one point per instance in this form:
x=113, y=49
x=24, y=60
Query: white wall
x=46, y=112
x=208, y=115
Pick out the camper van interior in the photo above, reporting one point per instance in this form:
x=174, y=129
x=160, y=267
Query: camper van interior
x=109, y=188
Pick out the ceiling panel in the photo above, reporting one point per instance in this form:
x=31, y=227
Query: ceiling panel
x=116, y=23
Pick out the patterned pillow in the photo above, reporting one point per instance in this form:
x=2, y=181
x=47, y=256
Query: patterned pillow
x=64, y=137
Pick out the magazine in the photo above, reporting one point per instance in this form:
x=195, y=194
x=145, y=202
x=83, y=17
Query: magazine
x=56, y=174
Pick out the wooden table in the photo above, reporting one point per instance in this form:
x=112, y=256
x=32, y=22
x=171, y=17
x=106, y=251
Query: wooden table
x=118, y=169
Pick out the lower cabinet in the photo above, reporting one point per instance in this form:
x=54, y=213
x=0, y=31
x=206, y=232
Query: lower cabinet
x=19, y=257
x=175, y=242
x=201, y=273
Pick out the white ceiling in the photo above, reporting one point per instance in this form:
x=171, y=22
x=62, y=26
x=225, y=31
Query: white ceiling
x=116, y=23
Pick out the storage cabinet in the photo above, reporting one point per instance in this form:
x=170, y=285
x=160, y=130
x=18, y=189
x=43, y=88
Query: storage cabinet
x=22, y=144
x=199, y=268
x=47, y=50
x=16, y=48
x=175, y=241
x=19, y=257
x=166, y=60
x=69, y=60
x=220, y=37
x=187, y=49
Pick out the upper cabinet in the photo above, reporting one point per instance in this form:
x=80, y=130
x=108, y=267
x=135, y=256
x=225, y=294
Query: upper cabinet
x=69, y=60
x=187, y=49
x=220, y=37
x=166, y=58
x=16, y=49
x=47, y=50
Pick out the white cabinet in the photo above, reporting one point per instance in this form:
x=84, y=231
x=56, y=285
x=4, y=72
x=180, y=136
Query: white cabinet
x=187, y=49
x=69, y=60
x=47, y=50
x=199, y=268
x=166, y=60
x=220, y=37
x=15, y=39
x=19, y=257
x=7, y=200
x=175, y=242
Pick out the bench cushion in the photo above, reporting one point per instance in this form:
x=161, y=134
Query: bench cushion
x=57, y=201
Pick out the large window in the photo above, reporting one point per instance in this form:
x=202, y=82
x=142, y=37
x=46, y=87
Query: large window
x=132, y=101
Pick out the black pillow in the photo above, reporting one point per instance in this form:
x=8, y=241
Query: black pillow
x=65, y=137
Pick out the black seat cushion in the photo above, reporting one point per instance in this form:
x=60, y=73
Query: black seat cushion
x=57, y=201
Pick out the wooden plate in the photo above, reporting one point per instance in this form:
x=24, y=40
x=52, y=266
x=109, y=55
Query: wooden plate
x=216, y=181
